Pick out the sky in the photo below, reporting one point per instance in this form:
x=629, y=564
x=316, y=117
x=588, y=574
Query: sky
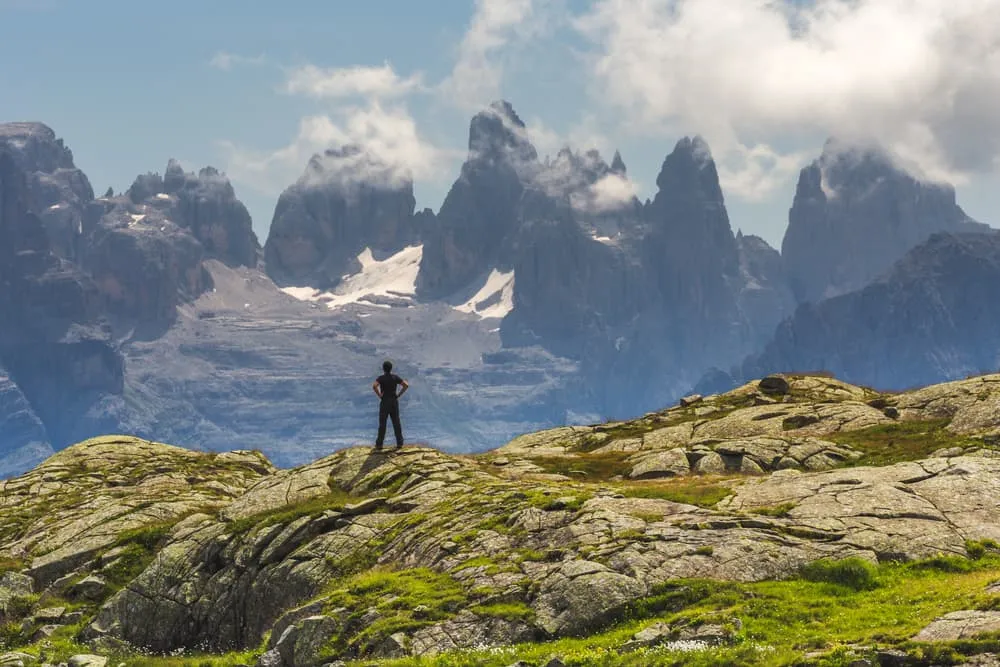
x=255, y=89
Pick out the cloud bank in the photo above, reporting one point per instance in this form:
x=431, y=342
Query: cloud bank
x=923, y=76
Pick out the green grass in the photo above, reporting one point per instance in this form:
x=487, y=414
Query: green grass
x=886, y=444
x=854, y=573
x=694, y=490
x=840, y=605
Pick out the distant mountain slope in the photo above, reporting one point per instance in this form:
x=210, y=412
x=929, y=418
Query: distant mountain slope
x=934, y=316
x=855, y=213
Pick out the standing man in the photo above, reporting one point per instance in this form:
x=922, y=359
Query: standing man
x=385, y=387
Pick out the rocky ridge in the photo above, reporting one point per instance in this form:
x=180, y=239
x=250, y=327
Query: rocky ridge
x=558, y=534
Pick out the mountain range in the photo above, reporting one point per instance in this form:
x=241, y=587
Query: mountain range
x=541, y=293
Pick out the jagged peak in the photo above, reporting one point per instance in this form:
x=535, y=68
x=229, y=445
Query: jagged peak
x=618, y=165
x=691, y=162
x=498, y=131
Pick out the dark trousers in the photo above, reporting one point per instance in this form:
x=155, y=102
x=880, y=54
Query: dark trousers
x=387, y=409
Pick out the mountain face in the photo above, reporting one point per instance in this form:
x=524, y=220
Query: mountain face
x=53, y=343
x=144, y=264
x=345, y=201
x=765, y=297
x=934, y=316
x=855, y=213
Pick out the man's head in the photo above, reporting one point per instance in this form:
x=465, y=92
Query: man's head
x=387, y=366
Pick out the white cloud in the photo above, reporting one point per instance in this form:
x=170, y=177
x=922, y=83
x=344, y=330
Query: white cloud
x=226, y=61
x=609, y=193
x=393, y=152
x=922, y=76
x=477, y=75
x=373, y=82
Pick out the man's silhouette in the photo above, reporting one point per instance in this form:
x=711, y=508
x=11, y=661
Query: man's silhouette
x=385, y=387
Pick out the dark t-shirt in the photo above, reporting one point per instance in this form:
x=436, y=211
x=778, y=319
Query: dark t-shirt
x=389, y=383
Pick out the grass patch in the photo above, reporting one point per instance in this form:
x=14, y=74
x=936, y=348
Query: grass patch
x=700, y=491
x=886, y=444
x=585, y=466
x=782, y=620
x=12, y=565
x=335, y=500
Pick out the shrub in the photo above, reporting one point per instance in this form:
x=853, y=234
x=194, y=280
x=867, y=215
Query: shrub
x=854, y=573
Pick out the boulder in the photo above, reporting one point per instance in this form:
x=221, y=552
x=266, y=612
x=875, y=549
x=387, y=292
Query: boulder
x=670, y=463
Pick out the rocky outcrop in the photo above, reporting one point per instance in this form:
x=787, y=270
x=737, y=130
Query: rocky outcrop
x=477, y=223
x=206, y=205
x=934, y=316
x=58, y=192
x=855, y=213
x=362, y=555
x=347, y=200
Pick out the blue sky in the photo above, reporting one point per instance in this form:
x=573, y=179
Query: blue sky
x=130, y=84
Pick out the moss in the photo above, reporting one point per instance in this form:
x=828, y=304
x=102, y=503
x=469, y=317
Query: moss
x=478, y=561
x=333, y=501
x=706, y=550
x=406, y=600
x=12, y=565
x=776, y=511
x=511, y=611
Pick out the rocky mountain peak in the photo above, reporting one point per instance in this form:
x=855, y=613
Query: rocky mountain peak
x=58, y=192
x=498, y=133
x=690, y=168
x=346, y=200
x=856, y=211
x=204, y=203
x=618, y=165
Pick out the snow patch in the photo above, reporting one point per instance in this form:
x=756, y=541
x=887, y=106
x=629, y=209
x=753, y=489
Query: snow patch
x=162, y=195
x=382, y=284
x=494, y=299
x=137, y=218
x=606, y=240
x=55, y=207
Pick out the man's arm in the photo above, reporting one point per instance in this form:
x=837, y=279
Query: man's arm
x=402, y=383
x=377, y=388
